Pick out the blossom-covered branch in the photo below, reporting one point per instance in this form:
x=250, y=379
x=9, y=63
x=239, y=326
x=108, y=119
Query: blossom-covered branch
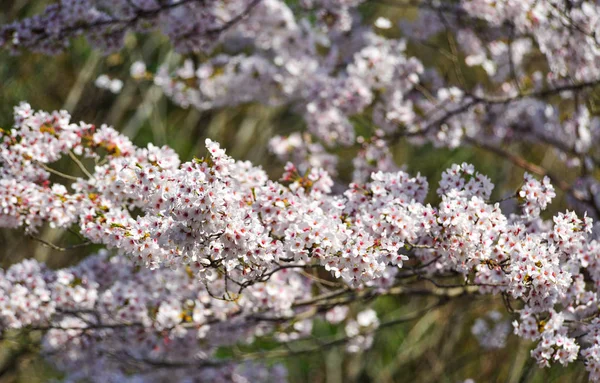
x=227, y=243
x=195, y=24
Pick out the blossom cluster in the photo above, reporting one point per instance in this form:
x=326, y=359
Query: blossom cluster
x=536, y=194
x=322, y=59
x=492, y=331
x=105, y=314
x=190, y=25
x=226, y=243
x=362, y=72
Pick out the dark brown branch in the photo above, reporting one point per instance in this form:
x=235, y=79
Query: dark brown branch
x=471, y=101
x=287, y=352
x=535, y=169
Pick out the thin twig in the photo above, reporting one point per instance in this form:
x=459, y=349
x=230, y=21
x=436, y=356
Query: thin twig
x=80, y=165
x=58, y=173
x=56, y=247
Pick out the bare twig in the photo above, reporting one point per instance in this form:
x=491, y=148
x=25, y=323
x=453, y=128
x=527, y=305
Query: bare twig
x=80, y=165
x=56, y=247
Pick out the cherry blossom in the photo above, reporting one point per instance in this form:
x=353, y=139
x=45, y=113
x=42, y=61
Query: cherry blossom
x=210, y=253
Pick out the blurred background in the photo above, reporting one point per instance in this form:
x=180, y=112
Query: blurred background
x=438, y=347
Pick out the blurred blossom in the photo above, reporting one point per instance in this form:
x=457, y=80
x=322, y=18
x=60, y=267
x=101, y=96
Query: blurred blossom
x=383, y=23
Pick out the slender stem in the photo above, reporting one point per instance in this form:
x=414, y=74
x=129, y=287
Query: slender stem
x=58, y=173
x=56, y=247
x=80, y=165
